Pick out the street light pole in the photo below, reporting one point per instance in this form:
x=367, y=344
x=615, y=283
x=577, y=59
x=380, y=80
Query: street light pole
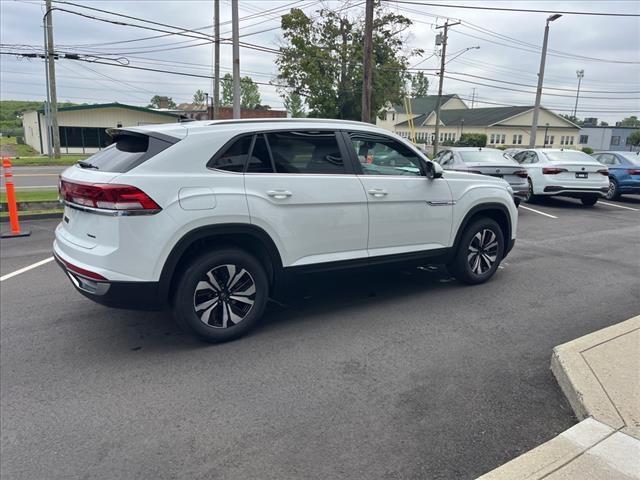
x=236, y=58
x=51, y=67
x=579, y=74
x=536, y=108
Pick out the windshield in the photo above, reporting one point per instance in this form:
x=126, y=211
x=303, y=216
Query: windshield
x=632, y=157
x=487, y=156
x=569, y=156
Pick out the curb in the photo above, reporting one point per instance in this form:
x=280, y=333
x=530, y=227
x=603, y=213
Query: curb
x=34, y=216
x=578, y=382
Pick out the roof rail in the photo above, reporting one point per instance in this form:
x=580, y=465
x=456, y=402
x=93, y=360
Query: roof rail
x=287, y=120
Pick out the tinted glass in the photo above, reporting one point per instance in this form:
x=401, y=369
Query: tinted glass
x=488, y=156
x=234, y=157
x=306, y=152
x=127, y=152
x=385, y=156
x=569, y=156
x=259, y=161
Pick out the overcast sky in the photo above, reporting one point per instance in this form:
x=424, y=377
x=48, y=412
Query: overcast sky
x=606, y=40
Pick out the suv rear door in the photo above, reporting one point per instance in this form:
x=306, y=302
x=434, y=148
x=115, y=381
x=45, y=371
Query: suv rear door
x=302, y=190
x=407, y=212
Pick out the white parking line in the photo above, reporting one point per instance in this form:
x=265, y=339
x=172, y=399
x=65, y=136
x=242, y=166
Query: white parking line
x=25, y=269
x=538, y=211
x=619, y=206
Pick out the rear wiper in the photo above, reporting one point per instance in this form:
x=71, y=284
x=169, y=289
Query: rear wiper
x=84, y=164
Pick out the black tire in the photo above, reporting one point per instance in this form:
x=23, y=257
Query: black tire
x=589, y=200
x=614, y=190
x=530, y=197
x=464, y=262
x=225, y=298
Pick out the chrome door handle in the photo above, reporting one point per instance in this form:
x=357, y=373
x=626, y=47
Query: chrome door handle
x=279, y=194
x=377, y=192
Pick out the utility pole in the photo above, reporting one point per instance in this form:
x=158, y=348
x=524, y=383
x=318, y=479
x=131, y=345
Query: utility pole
x=368, y=54
x=236, y=58
x=536, y=108
x=53, y=106
x=438, y=101
x=216, y=59
x=473, y=97
x=579, y=74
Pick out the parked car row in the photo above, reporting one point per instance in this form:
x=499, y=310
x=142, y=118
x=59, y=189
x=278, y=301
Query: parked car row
x=535, y=173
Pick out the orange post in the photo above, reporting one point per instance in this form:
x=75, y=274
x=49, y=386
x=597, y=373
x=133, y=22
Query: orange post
x=11, y=202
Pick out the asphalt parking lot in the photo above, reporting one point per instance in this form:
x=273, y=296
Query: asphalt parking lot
x=391, y=375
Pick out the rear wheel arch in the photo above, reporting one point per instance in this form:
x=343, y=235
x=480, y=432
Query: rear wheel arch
x=495, y=211
x=249, y=238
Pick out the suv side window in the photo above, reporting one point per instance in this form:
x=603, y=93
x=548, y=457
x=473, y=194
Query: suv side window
x=259, y=160
x=446, y=159
x=308, y=152
x=379, y=155
x=234, y=157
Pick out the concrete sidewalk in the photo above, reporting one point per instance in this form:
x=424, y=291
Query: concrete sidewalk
x=600, y=376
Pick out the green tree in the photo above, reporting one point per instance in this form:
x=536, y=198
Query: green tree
x=634, y=138
x=294, y=105
x=573, y=119
x=322, y=60
x=159, y=101
x=199, y=98
x=249, y=92
x=419, y=85
x=631, y=121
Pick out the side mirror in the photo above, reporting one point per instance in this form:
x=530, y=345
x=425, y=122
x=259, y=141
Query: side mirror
x=433, y=170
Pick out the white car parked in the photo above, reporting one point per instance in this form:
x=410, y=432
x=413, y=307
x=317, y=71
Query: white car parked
x=567, y=173
x=210, y=218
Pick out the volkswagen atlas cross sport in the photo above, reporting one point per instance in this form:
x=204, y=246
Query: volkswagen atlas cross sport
x=211, y=218
x=566, y=173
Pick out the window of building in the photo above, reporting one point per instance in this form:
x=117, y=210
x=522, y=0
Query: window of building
x=548, y=140
x=393, y=117
x=492, y=139
x=584, y=139
x=615, y=140
x=503, y=138
x=384, y=116
x=571, y=140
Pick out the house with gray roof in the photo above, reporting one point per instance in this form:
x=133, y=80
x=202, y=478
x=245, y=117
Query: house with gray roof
x=504, y=126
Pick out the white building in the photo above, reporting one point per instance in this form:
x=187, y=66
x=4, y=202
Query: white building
x=83, y=127
x=503, y=126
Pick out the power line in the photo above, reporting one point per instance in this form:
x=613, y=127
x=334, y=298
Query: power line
x=527, y=10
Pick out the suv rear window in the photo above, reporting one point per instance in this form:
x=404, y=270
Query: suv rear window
x=128, y=151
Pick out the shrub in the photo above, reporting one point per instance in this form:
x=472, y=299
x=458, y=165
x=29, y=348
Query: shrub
x=472, y=140
x=501, y=147
x=587, y=150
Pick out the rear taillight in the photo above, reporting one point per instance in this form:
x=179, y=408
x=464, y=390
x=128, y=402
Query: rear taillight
x=634, y=171
x=521, y=173
x=553, y=170
x=106, y=196
x=604, y=172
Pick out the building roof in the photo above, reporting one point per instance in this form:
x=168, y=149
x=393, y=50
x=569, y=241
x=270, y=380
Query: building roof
x=114, y=105
x=426, y=104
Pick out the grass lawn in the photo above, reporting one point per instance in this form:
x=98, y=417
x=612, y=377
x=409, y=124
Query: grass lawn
x=32, y=196
x=44, y=161
x=19, y=150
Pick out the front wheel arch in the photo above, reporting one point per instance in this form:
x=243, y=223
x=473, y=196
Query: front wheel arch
x=495, y=211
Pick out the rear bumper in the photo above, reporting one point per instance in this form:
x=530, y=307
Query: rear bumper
x=573, y=191
x=128, y=295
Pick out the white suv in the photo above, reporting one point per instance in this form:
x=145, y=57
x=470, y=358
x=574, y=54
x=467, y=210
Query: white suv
x=210, y=218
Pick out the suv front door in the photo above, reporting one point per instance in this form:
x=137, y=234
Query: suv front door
x=407, y=211
x=304, y=193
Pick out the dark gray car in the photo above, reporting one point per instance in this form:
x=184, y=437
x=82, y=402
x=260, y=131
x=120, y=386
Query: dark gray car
x=485, y=161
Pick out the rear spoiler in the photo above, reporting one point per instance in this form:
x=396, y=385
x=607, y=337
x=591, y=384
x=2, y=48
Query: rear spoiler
x=114, y=133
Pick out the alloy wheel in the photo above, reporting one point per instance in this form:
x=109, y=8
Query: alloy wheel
x=483, y=251
x=224, y=296
x=611, y=193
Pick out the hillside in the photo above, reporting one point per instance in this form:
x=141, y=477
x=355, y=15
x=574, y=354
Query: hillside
x=11, y=109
